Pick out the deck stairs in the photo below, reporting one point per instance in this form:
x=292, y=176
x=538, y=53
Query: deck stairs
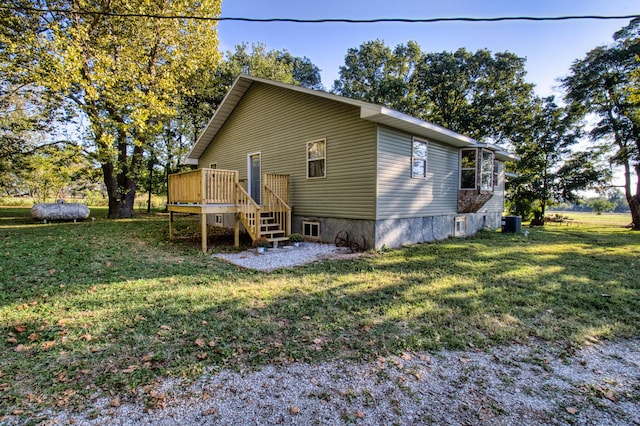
x=271, y=229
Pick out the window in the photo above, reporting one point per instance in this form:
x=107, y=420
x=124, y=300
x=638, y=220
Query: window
x=477, y=164
x=213, y=165
x=316, y=158
x=218, y=220
x=311, y=230
x=486, y=171
x=496, y=173
x=460, y=226
x=468, y=169
x=419, y=159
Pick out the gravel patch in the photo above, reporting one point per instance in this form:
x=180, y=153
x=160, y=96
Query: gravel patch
x=283, y=256
x=515, y=385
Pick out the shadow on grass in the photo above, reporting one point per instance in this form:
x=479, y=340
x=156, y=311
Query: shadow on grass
x=113, y=304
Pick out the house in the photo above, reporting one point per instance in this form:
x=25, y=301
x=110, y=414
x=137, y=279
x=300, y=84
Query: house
x=278, y=158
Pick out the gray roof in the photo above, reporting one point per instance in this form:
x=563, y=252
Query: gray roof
x=368, y=111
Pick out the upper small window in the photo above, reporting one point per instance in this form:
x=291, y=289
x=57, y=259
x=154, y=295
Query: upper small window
x=419, y=159
x=316, y=159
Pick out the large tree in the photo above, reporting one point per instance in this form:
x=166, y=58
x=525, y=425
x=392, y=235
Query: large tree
x=480, y=94
x=375, y=73
x=123, y=74
x=549, y=169
x=602, y=84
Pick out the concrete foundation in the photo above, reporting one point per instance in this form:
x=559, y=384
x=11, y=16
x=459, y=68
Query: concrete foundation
x=398, y=232
x=392, y=232
x=360, y=231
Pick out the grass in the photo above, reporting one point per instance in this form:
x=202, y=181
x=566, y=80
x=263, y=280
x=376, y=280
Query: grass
x=113, y=305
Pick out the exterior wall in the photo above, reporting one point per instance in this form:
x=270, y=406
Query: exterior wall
x=397, y=232
x=278, y=123
x=361, y=231
x=496, y=204
x=400, y=195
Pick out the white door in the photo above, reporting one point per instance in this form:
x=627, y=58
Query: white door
x=253, y=175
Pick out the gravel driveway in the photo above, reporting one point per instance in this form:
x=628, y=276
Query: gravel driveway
x=515, y=385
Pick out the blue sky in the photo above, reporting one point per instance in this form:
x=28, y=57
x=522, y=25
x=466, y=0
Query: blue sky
x=550, y=47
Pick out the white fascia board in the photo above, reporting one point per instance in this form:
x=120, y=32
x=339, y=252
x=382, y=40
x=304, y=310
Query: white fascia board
x=401, y=121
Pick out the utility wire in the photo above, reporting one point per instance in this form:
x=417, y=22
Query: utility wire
x=323, y=20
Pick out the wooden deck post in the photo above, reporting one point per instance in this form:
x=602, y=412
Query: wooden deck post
x=170, y=226
x=203, y=230
x=236, y=230
x=236, y=224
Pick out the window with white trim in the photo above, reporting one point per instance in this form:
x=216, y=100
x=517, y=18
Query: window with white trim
x=218, y=220
x=419, y=151
x=477, y=169
x=311, y=230
x=213, y=165
x=316, y=159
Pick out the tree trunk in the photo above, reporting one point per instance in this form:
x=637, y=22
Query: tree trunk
x=634, y=205
x=121, y=196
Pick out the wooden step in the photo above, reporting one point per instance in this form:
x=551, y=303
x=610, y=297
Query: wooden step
x=267, y=226
x=272, y=234
x=276, y=240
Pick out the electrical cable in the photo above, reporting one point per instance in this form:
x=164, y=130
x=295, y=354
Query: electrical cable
x=323, y=20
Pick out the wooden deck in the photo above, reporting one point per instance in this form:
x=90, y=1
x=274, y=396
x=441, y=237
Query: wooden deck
x=215, y=191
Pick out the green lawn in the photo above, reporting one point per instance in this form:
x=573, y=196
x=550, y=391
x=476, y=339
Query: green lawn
x=114, y=305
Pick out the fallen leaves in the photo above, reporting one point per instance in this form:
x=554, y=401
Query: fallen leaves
x=572, y=410
x=199, y=342
x=294, y=409
x=20, y=328
x=21, y=348
x=48, y=345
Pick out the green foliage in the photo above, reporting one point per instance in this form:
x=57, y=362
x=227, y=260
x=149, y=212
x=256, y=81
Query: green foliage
x=549, y=171
x=482, y=95
x=603, y=84
x=122, y=74
x=80, y=308
x=600, y=205
x=375, y=73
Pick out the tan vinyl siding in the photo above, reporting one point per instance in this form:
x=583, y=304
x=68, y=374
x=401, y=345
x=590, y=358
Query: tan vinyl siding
x=496, y=204
x=278, y=123
x=400, y=195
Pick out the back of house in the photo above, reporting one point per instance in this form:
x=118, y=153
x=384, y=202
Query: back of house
x=382, y=177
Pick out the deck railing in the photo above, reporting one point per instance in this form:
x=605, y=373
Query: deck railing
x=216, y=186
x=249, y=212
x=276, y=200
x=203, y=186
x=278, y=184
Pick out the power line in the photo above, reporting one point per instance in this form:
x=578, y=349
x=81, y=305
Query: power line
x=324, y=20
